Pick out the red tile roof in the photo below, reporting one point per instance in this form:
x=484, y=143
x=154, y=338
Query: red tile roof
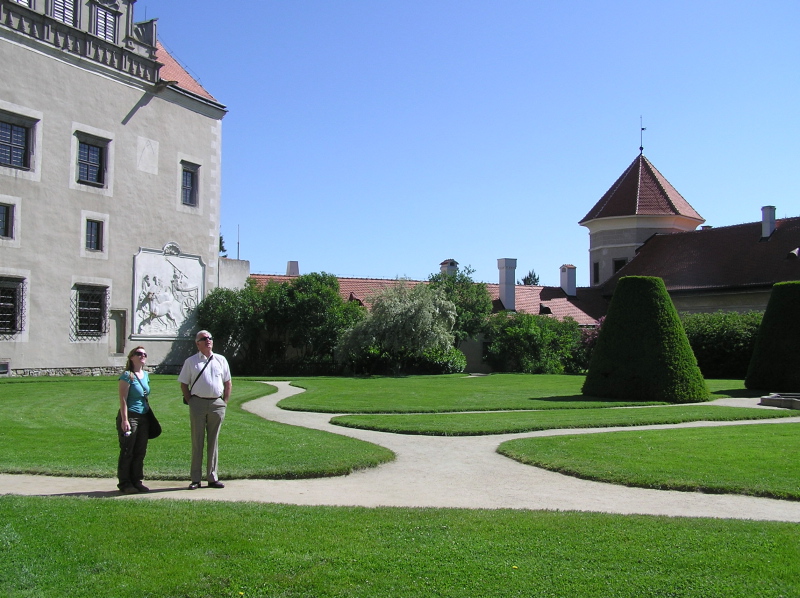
x=721, y=258
x=641, y=190
x=173, y=71
x=586, y=308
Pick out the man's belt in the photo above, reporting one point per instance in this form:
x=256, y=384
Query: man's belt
x=207, y=398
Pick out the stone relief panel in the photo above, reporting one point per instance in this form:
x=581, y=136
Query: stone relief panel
x=167, y=287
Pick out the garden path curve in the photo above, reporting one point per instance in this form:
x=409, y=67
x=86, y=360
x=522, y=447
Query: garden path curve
x=433, y=471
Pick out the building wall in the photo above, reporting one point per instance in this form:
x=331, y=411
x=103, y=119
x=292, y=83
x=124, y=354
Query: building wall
x=739, y=301
x=150, y=133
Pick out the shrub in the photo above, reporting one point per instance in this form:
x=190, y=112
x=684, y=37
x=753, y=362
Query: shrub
x=531, y=344
x=441, y=361
x=582, y=355
x=722, y=342
x=774, y=364
x=642, y=352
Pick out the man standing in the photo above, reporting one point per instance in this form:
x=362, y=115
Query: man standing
x=206, y=386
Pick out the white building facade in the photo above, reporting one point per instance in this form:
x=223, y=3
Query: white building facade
x=110, y=176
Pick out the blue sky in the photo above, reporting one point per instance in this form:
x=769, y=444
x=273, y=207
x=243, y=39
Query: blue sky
x=376, y=138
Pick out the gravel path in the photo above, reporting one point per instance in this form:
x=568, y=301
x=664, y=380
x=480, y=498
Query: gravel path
x=460, y=472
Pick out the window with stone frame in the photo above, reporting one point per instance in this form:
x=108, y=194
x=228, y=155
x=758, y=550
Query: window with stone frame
x=189, y=180
x=94, y=235
x=89, y=312
x=65, y=11
x=15, y=146
x=105, y=24
x=12, y=307
x=91, y=163
x=6, y=221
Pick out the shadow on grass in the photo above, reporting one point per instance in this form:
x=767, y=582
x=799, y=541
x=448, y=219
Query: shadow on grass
x=570, y=399
x=591, y=399
x=116, y=493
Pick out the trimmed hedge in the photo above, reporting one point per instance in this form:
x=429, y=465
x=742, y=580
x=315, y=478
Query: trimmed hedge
x=642, y=352
x=723, y=342
x=775, y=364
x=532, y=344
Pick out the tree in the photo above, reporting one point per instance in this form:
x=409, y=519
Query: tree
x=222, y=251
x=279, y=325
x=471, y=299
x=317, y=315
x=405, y=323
x=774, y=364
x=228, y=315
x=530, y=279
x=642, y=352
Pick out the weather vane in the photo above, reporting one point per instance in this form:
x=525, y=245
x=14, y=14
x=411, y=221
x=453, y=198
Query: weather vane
x=641, y=135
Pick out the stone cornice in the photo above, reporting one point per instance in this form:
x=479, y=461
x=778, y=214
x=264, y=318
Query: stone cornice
x=59, y=36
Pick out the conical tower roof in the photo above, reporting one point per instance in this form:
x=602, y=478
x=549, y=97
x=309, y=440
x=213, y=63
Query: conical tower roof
x=641, y=191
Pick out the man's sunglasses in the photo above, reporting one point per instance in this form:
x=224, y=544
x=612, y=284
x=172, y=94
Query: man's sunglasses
x=204, y=338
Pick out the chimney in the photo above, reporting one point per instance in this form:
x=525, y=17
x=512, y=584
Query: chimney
x=448, y=267
x=292, y=269
x=568, y=272
x=508, y=284
x=767, y=221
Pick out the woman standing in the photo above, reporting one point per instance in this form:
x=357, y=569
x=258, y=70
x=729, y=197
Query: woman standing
x=132, y=423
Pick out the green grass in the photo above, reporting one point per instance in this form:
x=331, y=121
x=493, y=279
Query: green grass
x=458, y=392
x=73, y=547
x=65, y=426
x=508, y=422
x=753, y=460
x=433, y=394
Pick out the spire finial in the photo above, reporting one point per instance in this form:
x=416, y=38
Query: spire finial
x=641, y=135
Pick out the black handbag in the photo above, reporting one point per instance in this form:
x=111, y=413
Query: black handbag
x=153, y=428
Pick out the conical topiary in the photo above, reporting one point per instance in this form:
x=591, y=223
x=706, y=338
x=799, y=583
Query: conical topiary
x=775, y=363
x=642, y=353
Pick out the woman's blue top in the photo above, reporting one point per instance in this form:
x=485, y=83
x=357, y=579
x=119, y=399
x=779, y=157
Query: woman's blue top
x=136, y=393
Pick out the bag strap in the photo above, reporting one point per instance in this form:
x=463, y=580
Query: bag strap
x=144, y=392
x=191, y=386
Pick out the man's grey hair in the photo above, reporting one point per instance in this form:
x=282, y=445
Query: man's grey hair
x=202, y=333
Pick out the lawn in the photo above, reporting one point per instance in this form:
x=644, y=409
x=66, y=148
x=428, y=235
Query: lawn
x=458, y=392
x=509, y=422
x=434, y=394
x=65, y=426
x=78, y=547
x=70, y=547
x=754, y=460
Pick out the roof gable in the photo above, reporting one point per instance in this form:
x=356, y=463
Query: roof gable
x=641, y=191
